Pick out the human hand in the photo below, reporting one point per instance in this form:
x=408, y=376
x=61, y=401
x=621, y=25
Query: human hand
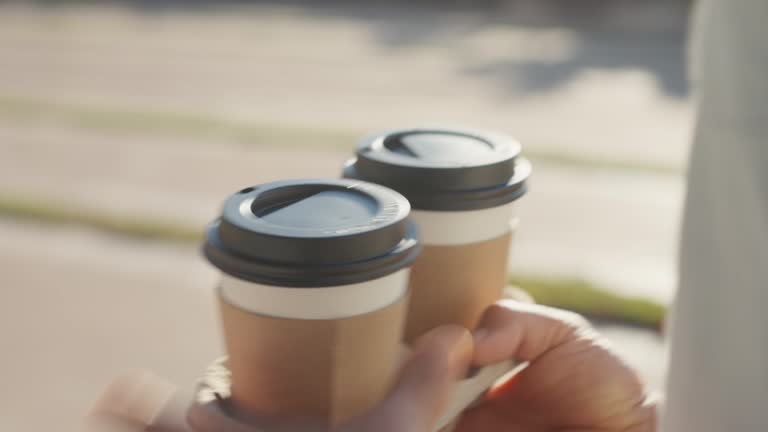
x=573, y=382
x=143, y=402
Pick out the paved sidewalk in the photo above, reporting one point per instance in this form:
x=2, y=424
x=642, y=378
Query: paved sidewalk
x=609, y=88
x=616, y=229
x=79, y=308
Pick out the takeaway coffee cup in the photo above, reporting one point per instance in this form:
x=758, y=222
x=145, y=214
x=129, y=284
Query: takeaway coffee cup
x=462, y=185
x=312, y=294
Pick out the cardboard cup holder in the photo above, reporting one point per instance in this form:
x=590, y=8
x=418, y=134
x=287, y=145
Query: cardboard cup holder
x=213, y=410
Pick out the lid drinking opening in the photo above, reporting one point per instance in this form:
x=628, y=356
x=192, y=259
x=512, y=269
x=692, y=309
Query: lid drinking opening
x=440, y=147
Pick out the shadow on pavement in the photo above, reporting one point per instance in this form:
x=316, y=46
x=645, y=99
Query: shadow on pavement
x=607, y=34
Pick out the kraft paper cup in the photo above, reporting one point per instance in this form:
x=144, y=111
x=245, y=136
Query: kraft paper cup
x=463, y=186
x=313, y=295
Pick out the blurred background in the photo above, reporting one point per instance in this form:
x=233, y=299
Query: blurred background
x=124, y=125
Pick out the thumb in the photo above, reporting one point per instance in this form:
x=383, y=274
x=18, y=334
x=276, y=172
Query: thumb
x=426, y=382
x=524, y=332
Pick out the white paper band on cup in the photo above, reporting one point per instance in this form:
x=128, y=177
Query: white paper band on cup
x=315, y=303
x=463, y=227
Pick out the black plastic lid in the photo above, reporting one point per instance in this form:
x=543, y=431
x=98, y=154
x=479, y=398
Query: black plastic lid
x=306, y=233
x=443, y=169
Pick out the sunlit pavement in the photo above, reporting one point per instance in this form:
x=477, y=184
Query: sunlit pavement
x=618, y=229
x=77, y=309
x=610, y=88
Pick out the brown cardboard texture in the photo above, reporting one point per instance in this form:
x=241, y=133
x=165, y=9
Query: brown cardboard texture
x=454, y=284
x=212, y=410
x=334, y=368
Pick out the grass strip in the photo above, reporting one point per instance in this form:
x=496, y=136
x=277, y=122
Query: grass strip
x=579, y=296
x=188, y=124
x=175, y=123
x=591, y=301
x=54, y=213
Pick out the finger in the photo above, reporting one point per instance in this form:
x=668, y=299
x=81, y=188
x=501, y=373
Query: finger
x=439, y=359
x=138, y=401
x=522, y=331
